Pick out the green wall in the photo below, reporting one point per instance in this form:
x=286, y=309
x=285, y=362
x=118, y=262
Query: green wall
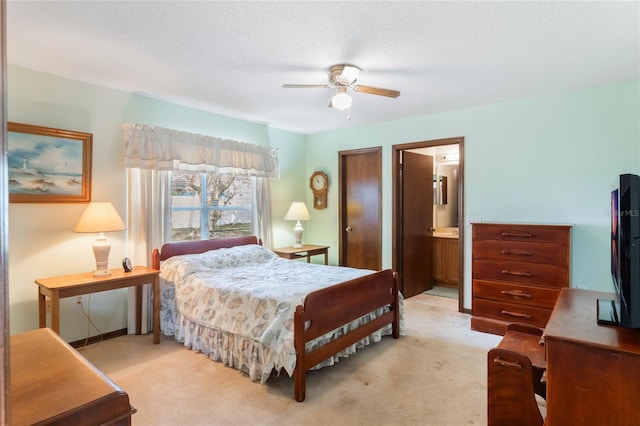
x=41, y=243
x=550, y=159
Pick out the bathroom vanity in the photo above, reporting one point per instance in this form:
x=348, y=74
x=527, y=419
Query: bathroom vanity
x=446, y=263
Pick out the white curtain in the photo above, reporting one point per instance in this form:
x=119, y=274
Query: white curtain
x=157, y=148
x=150, y=154
x=262, y=212
x=149, y=226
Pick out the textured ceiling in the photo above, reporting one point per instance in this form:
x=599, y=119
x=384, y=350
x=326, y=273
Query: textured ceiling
x=232, y=57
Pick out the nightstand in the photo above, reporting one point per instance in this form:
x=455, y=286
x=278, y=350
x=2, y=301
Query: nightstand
x=307, y=250
x=56, y=288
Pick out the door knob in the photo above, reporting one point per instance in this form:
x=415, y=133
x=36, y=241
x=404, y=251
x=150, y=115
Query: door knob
x=348, y=229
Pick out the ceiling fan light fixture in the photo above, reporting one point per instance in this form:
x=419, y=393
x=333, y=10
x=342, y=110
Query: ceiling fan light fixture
x=341, y=100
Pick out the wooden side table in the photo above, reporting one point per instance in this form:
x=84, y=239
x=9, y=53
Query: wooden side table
x=56, y=288
x=307, y=250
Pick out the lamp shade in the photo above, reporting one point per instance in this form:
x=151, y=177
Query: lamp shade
x=99, y=217
x=341, y=100
x=297, y=211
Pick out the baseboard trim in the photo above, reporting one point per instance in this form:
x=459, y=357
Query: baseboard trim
x=100, y=337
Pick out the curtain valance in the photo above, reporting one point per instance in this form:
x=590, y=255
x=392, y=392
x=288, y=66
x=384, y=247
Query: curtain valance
x=157, y=148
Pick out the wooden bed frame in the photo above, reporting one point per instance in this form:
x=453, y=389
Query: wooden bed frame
x=324, y=310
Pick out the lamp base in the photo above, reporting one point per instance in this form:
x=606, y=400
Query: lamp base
x=101, y=249
x=101, y=273
x=297, y=231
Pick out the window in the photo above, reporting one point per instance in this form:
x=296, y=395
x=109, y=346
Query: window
x=209, y=206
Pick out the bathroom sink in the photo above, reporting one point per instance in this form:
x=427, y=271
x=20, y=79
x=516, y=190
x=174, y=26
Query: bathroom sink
x=446, y=233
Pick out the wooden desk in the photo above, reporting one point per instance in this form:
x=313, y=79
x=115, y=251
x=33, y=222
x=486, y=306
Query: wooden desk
x=51, y=383
x=56, y=288
x=593, y=371
x=307, y=250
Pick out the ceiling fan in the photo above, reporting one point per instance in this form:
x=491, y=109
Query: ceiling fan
x=343, y=77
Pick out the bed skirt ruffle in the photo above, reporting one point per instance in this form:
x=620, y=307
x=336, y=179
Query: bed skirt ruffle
x=249, y=356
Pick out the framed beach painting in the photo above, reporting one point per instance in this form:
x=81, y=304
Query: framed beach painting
x=48, y=165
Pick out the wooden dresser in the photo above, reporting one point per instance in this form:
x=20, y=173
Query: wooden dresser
x=52, y=384
x=517, y=273
x=593, y=371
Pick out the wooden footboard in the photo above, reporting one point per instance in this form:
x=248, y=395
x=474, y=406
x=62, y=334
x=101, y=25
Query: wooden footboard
x=324, y=310
x=335, y=306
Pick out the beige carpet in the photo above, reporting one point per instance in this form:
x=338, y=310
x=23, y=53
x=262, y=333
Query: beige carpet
x=436, y=375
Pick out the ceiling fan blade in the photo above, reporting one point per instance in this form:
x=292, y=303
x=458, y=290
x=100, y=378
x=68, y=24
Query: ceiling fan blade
x=306, y=86
x=376, y=91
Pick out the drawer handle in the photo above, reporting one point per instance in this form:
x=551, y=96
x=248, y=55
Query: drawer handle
x=516, y=314
x=505, y=363
x=516, y=293
x=517, y=252
x=518, y=274
x=517, y=234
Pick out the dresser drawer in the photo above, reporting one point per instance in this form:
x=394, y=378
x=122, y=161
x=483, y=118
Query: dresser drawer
x=543, y=297
x=511, y=312
x=523, y=273
x=519, y=251
x=528, y=233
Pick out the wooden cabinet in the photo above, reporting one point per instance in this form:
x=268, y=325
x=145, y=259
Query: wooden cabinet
x=51, y=383
x=593, y=371
x=446, y=263
x=517, y=273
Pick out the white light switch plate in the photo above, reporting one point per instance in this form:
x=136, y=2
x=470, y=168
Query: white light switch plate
x=474, y=219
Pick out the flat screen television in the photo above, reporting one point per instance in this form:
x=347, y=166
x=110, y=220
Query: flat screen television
x=624, y=309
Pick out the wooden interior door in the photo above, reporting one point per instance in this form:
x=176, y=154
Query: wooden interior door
x=360, y=177
x=416, y=223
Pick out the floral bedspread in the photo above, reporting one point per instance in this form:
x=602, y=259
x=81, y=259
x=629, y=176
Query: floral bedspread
x=237, y=305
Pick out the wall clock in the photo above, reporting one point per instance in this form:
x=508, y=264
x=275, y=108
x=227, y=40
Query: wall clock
x=319, y=184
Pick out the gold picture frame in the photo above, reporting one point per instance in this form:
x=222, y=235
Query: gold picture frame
x=47, y=165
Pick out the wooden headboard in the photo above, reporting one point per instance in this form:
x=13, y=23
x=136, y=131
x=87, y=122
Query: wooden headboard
x=194, y=247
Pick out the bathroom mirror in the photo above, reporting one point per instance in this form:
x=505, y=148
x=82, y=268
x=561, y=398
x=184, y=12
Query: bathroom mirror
x=445, y=184
x=439, y=190
x=445, y=194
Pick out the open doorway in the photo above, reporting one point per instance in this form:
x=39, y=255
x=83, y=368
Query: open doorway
x=436, y=244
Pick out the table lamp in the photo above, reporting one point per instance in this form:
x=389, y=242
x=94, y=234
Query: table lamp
x=100, y=217
x=298, y=211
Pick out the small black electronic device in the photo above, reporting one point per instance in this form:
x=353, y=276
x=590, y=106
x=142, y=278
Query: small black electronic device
x=126, y=264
